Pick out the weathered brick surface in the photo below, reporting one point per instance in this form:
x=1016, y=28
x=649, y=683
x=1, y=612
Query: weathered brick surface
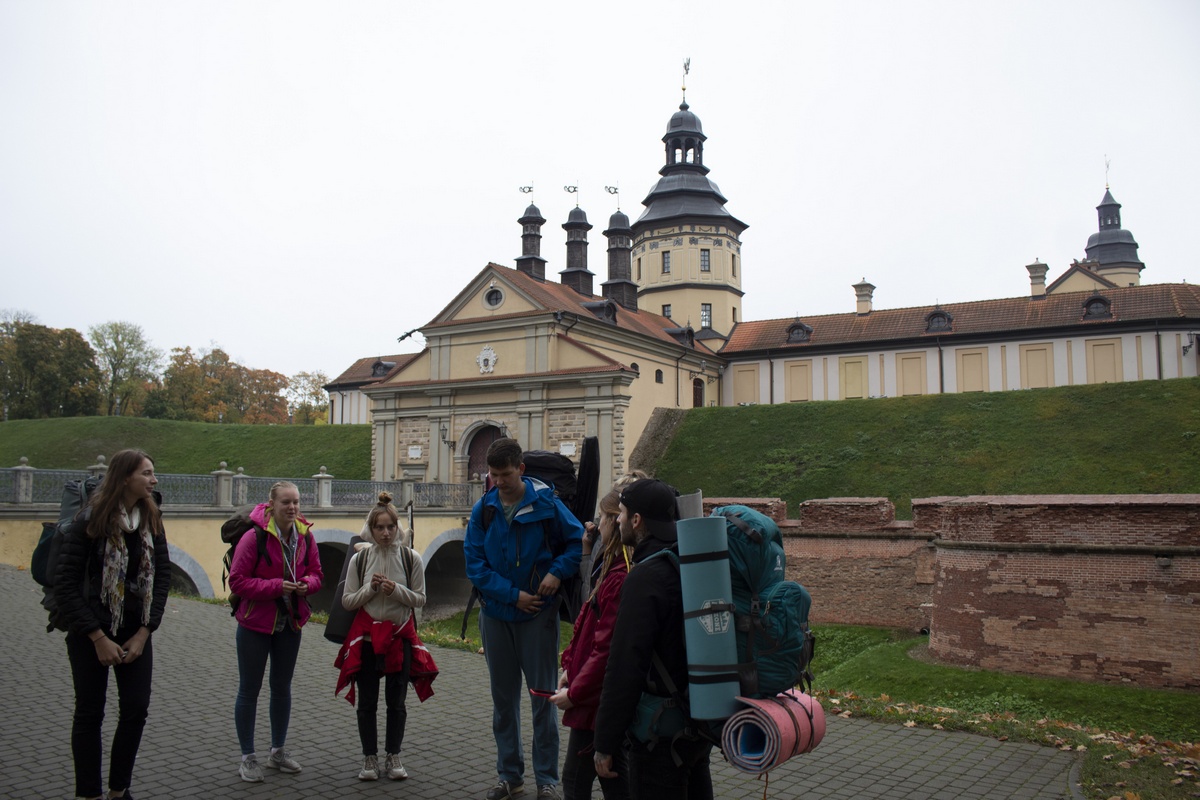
x=1063, y=519
x=1095, y=587
x=845, y=514
x=864, y=580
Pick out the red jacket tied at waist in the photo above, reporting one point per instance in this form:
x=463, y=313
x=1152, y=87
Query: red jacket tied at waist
x=387, y=640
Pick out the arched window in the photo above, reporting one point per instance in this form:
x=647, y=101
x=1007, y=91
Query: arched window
x=658, y=376
x=938, y=321
x=1097, y=307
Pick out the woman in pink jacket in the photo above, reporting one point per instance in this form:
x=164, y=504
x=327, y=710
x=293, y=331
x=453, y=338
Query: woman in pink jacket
x=584, y=661
x=273, y=582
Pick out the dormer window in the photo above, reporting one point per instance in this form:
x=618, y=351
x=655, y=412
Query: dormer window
x=798, y=332
x=938, y=321
x=381, y=368
x=1097, y=307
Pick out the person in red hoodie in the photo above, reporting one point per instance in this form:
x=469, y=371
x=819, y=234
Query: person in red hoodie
x=583, y=662
x=274, y=586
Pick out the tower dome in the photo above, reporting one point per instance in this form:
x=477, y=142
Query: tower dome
x=1112, y=247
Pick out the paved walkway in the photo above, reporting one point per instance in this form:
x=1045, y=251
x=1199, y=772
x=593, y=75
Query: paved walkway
x=190, y=749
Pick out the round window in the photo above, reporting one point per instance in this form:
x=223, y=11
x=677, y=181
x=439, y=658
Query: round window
x=493, y=297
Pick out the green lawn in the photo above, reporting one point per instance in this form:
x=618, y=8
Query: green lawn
x=191, y=448
x=1122, y=438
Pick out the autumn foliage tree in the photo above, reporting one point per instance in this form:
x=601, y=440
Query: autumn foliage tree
x=46, y=372
x=307, y=398
x=128, y=366
x=208, y=386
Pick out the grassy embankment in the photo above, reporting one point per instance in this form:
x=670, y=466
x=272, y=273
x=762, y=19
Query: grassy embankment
x=191, y=448
x=1108, y=439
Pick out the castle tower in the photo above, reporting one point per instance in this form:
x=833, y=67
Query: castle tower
x=1113, y=247
x=577, y=275
x=530, y=261
x=686, y=246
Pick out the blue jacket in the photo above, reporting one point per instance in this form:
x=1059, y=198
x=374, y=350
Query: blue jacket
x=507, y=559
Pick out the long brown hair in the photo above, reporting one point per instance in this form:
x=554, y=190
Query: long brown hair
x=610, y=506
x=106, y=500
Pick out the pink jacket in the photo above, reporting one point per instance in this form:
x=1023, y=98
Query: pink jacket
x=586, y=657
x=259, y=581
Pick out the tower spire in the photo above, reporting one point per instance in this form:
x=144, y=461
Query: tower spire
x=687, y=67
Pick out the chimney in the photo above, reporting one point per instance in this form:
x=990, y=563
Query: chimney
x=864, y=291
x=530, y=261
x=1037, y=280
x=577, y=275
x=620, y=287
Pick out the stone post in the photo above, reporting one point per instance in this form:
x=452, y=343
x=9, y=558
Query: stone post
x=98, y=469
x=324, y=489
x=222, y=486
x=407, y=491
x=240, y=487
x=476, y=490
x=24, y=481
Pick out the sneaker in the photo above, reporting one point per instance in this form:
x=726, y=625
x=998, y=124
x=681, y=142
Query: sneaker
x=370, y=769
x=394, y=769
x=548, y=791
x=503, y=790
x=281, y=761
x=250, y=771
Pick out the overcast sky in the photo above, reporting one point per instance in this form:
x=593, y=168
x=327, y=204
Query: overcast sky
x=299, y=183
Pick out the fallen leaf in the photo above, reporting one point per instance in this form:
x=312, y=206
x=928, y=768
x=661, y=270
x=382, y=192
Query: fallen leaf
x=910, y=724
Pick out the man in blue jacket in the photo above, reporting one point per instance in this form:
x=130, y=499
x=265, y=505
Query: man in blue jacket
x=514, y=531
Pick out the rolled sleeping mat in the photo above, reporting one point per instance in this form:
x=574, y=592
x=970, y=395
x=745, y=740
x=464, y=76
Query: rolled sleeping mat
x=690, y=505
x=769, y=731
x=708, y=623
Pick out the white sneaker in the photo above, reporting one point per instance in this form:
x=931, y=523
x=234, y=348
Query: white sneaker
x=281, y=761
x=250, y=771
x=394, y=769
x=370, y=769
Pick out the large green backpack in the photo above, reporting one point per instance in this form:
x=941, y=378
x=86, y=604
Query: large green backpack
x=774, y=641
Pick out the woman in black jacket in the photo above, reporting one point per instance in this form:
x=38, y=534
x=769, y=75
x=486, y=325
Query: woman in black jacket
x=113, y=576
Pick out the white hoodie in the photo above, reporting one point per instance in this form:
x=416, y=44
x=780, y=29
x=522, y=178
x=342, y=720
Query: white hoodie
x=389, y=561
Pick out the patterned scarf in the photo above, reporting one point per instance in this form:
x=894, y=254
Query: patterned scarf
x=116, y=564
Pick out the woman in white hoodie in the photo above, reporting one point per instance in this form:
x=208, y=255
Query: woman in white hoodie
x=384, y=583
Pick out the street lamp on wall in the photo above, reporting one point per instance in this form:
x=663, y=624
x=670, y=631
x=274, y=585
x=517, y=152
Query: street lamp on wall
x=446, y=440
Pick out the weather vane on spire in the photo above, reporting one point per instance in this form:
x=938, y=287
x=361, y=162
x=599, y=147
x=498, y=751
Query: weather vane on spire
x=1106, y=163
x=617, y=191
x=687, y=67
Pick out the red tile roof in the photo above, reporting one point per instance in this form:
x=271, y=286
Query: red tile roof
x=1014, y=315
x=555, y=296
x=359, y=372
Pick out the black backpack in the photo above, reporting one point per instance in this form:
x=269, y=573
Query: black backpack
x=231, y=533
x=44, y=563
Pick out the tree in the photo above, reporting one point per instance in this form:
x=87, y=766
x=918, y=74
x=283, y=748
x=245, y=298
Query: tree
x=128, y=366
x=307, y=398
x=211, y=387
x=46, y=372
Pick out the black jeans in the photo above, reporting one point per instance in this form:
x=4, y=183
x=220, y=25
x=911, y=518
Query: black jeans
x=91, y=688
x=579, y=770
x=653, y=774
x=395, y=690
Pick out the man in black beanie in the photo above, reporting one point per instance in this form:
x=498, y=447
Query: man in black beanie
x=647, y=642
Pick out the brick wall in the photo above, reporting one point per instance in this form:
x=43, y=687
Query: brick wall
x=1096, y=587
x=861, y=566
